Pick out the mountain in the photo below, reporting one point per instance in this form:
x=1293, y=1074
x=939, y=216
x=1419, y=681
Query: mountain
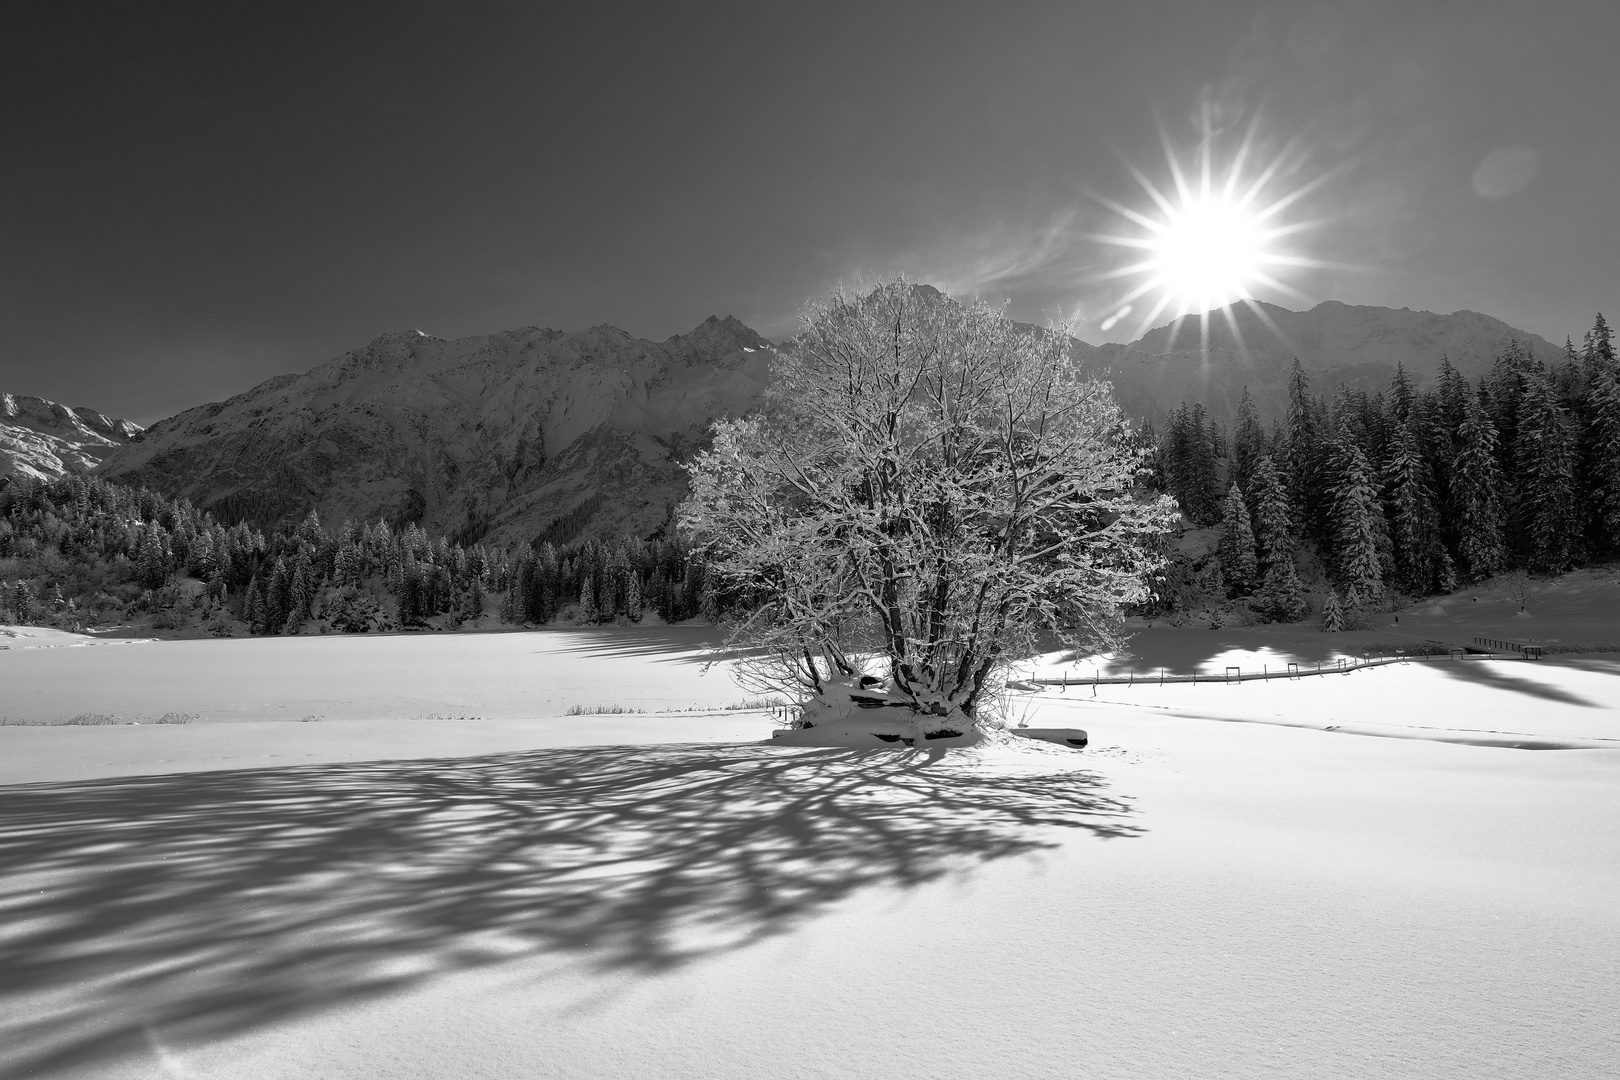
x=540, y=433
x=1337, y=344
x=501, y=437
x=39, y=438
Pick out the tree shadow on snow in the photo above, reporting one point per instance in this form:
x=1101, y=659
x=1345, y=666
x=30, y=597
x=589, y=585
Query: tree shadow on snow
x=671, y=644
x=1488, y=674
x=206, y=904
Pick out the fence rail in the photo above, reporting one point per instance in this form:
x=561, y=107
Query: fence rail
x=1339, y=666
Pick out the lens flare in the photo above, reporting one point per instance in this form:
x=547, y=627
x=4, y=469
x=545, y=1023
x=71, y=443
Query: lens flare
x=1214, y=236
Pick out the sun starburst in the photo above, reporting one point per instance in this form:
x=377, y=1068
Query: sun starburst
x=1214, y=236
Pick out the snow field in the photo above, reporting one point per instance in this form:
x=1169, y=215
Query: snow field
x=1187, y=898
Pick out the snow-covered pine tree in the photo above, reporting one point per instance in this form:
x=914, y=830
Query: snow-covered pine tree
x=23, y=607
x=1357, y=519
x=1282, y=596
x=1476, y=500
x=1548, y=516
x=1355, y=609
x=1306, y=471
x=1597, y=350
x=1332, y=613
x=151, y=568
x=1248, y=443
x=1273, y=518
x=1414, y=521
x=588, y=610
x=1204, y=489
x=1604, y=461
x=929, y=484
x=1239, y=569
x=301, y=586
x=253, y=612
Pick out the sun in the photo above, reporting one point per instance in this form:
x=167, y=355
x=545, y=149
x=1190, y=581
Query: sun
x=1209, y=252
x=1213, y=236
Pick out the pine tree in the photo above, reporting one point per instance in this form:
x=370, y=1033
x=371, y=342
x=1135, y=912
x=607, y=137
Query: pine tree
x=150, y=566
x=1204, y=485
x=1236, y=548
x=1305, y=470
x=1597, y=350
x=253, y=613
x=1332, y=614
x=1476, y=504
x=301, y=587
x=1355, y=610
x=1413, y=518
x=1281, y=597
x=1248, y=443
x=1604, y=468
x=22, y=602
x=588, y=611
x=1546, y=496
x=1357, y=520
x=1273, y=518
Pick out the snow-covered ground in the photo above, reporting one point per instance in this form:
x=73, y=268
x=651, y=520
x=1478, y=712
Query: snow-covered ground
x=653, y=895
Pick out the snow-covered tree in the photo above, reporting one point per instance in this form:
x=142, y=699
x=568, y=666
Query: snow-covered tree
x=1239, y=568
x=1546, y=490
x=1273, y=517
x=1282, y=595
x=1332, y=613
x=1248, y=444
x=929, y=485
x=1357, y=520
x=1414, y=521
x=1476, y=505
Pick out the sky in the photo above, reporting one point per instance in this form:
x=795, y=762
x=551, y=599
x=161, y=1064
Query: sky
x=196, y=200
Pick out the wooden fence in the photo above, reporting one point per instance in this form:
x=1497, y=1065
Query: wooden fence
x=1338, y=666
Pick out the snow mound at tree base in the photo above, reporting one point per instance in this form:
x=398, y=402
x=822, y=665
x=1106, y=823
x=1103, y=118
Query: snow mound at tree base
x=868, y=717
x=902, y=730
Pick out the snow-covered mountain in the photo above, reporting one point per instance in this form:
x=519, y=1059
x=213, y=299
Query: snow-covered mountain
x=542, y=433
x=39, y=438
x=1336, y=343
x=502, y=437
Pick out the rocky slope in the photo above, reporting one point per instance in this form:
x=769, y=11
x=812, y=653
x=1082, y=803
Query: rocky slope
x=1337, y=344
x=39, y=438
x=502, y=437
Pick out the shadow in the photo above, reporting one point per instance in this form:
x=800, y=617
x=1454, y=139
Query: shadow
x=1485, y=673
x=206, y=904
x=670, y=644
x=1184, y=650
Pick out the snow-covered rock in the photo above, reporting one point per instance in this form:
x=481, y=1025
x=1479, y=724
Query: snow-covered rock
x=39, y=438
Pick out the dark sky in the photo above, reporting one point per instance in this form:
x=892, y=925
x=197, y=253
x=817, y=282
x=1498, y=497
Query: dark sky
x=195, y=200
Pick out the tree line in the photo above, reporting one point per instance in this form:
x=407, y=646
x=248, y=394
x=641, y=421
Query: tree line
x=80, y=551
x=1407, y=490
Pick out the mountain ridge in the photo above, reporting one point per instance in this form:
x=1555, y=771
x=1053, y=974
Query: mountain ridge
x=535, y=431
x=42, y=439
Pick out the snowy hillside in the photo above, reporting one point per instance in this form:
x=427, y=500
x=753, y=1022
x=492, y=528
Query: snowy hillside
x=502, y=437
x=39, y=438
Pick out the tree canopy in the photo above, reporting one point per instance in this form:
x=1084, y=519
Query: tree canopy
x=931, y=489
